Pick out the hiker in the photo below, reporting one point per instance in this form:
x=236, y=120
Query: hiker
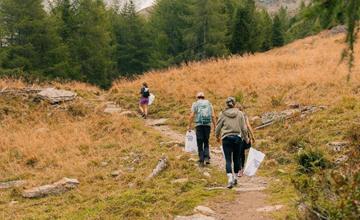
x=144, y=100
x=204, y=115
x=231, y=128
x=246, y=145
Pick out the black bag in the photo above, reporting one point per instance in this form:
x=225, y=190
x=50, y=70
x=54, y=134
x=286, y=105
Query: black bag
x=247, y=145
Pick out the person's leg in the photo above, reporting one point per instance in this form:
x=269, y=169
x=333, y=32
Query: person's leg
x=237, y=146
x=207, y=130
x=228, y=152
x=141, y=109
x=200, y=143
x=145, y=110
x=242, y=158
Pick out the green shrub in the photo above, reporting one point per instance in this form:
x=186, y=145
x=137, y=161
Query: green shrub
x=311, y=160
x=277, y=100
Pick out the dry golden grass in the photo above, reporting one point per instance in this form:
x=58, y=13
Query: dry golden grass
x=305, y=71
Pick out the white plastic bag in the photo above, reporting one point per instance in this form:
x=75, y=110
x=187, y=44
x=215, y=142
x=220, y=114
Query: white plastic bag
x=253, y=162
x=190, y=142
x=151, y=99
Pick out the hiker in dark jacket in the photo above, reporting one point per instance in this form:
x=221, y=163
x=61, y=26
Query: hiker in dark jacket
x=247, y=145
x=144, y=100
x=204, y=115
x=231, y=128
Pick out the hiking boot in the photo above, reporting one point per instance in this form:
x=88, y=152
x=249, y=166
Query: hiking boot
x=207, y=161
x=235, y=182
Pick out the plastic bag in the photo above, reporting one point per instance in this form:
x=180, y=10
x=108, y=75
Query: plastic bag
x=151, y=99
x=190, y=142
x=253, y=162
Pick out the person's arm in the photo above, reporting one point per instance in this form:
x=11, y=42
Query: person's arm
x=218, y=128
x=251, y=131
x=191, y=119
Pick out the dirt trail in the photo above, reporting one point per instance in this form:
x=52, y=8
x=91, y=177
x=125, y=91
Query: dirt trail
x=250, y=196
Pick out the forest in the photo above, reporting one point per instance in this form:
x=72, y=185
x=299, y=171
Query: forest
x=87, y=41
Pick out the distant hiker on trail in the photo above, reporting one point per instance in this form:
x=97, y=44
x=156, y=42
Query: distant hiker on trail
x=231, y=128
x=246, y=145
x=204, y=115
x=144, y=100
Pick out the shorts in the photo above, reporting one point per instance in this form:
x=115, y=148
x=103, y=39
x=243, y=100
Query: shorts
x=144, y=101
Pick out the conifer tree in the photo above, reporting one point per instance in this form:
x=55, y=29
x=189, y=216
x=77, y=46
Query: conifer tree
x=278, y=33
x=266, y=27
x=167, y=24
x=29, y=40
x=132, y=42
x=207, y=35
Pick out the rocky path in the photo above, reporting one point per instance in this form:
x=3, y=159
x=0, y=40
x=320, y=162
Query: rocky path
x=250, y=202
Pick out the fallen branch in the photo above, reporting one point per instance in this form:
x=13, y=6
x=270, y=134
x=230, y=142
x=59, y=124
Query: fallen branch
x=162, y=165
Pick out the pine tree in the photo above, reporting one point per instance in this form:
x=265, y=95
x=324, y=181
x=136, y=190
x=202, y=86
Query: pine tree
x=266, y=34
x=132, y=45
x=29, y=40
x=207, y=35
x=167, y=24
x=278, y=33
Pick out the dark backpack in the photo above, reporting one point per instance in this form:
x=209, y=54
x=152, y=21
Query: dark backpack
x=146, y=93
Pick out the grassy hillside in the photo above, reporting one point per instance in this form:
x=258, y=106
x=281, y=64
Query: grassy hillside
x=41, y=144
x=308, y=72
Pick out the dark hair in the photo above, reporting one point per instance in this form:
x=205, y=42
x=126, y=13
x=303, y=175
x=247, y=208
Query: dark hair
x=145, y=85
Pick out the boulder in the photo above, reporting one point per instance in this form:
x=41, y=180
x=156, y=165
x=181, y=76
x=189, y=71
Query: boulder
x=204, y=210
x=55, y=96
x=12, y=184
x=116, y=173
x=56, y=188
x=157, y=122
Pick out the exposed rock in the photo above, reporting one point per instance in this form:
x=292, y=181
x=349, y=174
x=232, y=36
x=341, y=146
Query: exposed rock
x=128, y=114
x=55, y=96
x=56, y=188
x=204, y=210
x=270, y=118
x=338, y=30
x=116, y=173
x=294, y=105
x=338, y=145
x=182, y=180
x=207, y=174
x=157, y=122
x=194, y=217
x=112, y=108
x=12, y=184
x=341, y=159
x=162, y=165
x=270, y=208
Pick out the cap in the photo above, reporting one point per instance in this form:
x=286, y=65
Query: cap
x=200, y=95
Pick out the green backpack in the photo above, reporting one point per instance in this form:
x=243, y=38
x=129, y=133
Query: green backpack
x=204, y=113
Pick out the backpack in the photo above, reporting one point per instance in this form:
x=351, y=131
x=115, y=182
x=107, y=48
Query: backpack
x=204, y=113
x=146, y=93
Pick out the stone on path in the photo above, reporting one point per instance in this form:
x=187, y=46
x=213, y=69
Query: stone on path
x=55, y=96
x=162, y=165
x=270, y=208
x=204, y=210
x=249, y=189
x=111, y=108
x=338, y=145
x=128, y=114
x=194, y=217
x=207, y=174
x=12, y=184
x=56, y=188
x=157, y=122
